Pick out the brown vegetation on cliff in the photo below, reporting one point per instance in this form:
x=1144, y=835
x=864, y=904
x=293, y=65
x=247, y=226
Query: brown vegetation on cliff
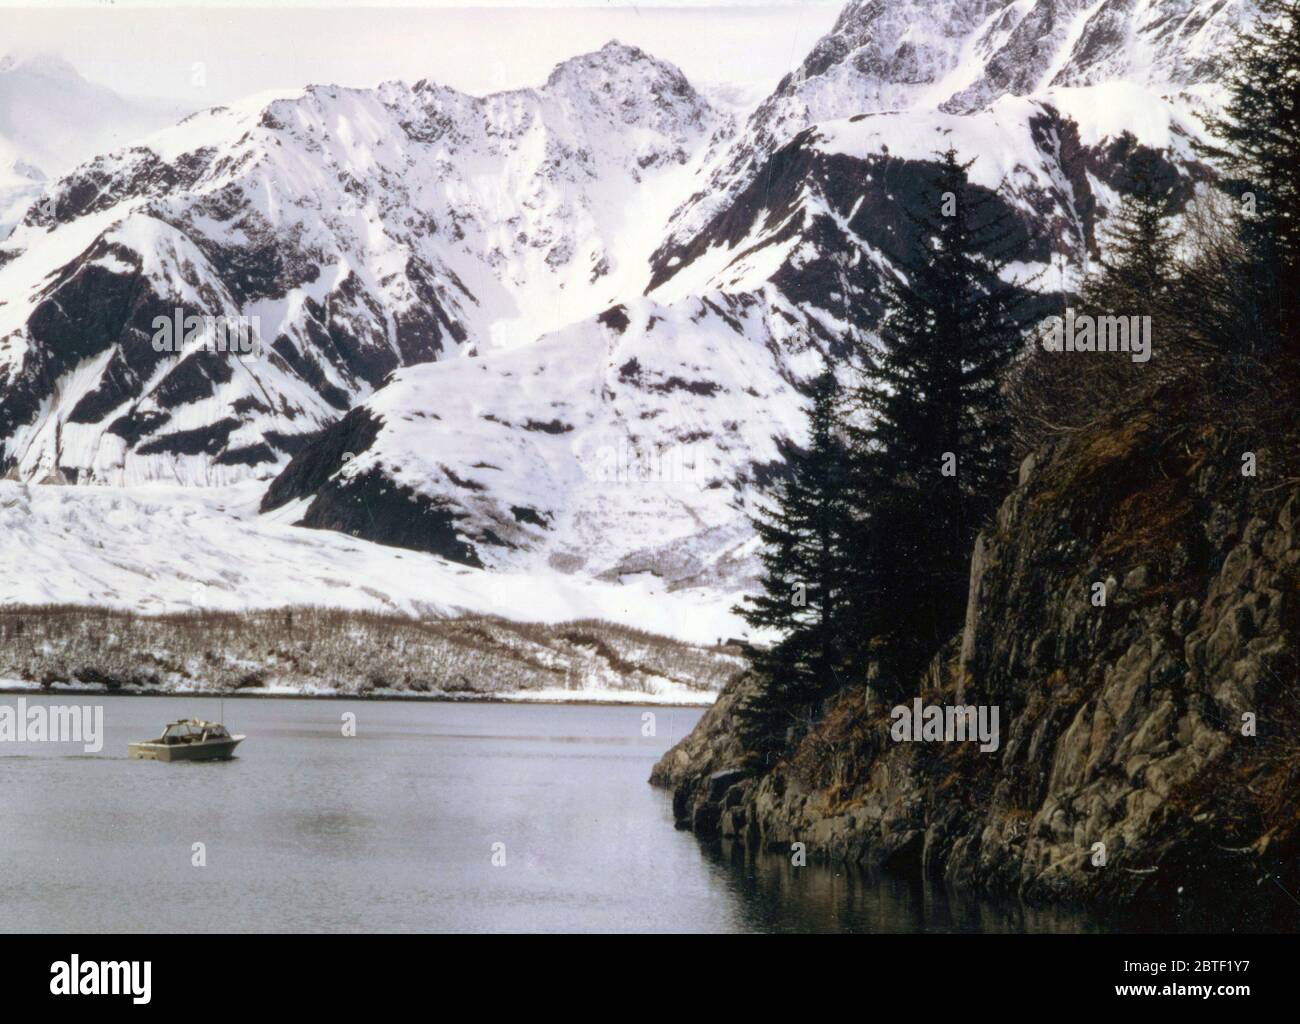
x=1120, y=724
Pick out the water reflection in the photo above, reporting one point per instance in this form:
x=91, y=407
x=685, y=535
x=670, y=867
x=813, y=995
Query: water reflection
x=778, y=897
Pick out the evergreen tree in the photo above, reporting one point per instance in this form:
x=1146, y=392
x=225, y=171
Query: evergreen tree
x=1258, y=139
x=1137, y=273
x=805, y=557
x=1138, y=276
x=933, y=464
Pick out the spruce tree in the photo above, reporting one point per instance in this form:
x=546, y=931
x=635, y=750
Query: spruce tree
x=805, y=557
x=1257, y=143
x=1137, y=276
x=1137, y=270
x=933, y=464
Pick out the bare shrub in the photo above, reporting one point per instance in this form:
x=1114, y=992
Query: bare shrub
x=354, y=652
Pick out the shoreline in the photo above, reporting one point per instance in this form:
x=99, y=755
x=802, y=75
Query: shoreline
x=444, y=698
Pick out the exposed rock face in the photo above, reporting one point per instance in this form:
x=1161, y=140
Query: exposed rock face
x=833, y=202
x=1121, y=724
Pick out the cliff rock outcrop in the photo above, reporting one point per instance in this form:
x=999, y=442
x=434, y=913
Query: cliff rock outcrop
x=1150, y=740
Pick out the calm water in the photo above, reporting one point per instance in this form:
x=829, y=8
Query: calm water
x=394, y=829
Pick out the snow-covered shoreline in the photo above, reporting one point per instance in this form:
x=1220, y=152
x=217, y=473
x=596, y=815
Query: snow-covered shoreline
x=22, y=688
x=328, y=652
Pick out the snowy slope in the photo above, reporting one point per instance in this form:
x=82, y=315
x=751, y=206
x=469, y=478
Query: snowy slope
x=490, y=463
x=362, y=229
x=51, y=118
x=639, y=440
x=165, y=548
x=961, y=56
x=625, y=445
x=21, y=183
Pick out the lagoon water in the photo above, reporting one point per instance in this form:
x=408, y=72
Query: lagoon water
x=394, y=829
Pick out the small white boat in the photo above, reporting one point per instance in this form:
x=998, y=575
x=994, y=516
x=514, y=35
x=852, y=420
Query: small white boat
x=191, y=739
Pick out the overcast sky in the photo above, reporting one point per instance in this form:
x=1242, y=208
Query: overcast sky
x=152, y=49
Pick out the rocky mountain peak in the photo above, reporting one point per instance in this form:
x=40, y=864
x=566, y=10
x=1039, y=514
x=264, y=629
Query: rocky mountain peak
x=365, y=229
x=961, y=56
x=626, y=85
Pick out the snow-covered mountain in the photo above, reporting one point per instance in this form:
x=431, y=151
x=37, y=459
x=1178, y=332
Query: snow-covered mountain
x=612, y=448
x=51, y=118
x=962, y=55
x=835, y=194
x=356, y=230
x=560, y=329
x=21, y=184
x=637, y=441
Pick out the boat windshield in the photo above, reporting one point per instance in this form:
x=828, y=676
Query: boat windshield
x=217, y=732
x=181, y=732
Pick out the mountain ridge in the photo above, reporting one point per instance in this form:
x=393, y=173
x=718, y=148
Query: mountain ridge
x=538, y=264
x=357, y=226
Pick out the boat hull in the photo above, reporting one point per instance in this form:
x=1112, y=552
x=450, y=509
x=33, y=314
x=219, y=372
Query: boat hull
x=214, y=750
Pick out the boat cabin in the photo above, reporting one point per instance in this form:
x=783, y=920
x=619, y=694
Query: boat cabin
x=193, y=732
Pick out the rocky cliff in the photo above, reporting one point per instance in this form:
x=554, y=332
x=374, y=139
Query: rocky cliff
x=1125, y=721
